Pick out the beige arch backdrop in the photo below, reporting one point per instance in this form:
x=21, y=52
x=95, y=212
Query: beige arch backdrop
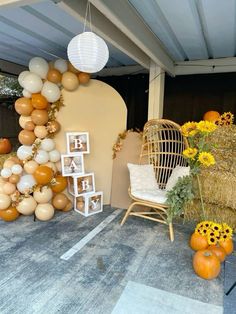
x=100, y=110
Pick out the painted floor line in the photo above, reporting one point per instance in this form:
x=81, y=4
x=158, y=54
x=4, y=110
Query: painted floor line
x=78, y=246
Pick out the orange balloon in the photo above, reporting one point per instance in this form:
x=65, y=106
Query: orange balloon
x=83, y=77
x=68, y=207
x=14, y=178
x=26, y=137
x=211, y=116
x=10, y=214
x=39, y=101
x=29, y=126
x=43, y=175
x=54, y=76
x=72, y=69
x=24, y=106
x=60, y=185
x=39, y=117
x=60, y=201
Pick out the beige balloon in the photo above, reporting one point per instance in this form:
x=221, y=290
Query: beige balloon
x=5, y=201
x=2, y=183
x=9, y=188
x=23, y=120
x=27, y=206
x=70, y=81
x=8, y=164
x=58, y=165
x=31, y=166
x=40, y=131
x=44, y=212
x=51, y=165
x=43, y=195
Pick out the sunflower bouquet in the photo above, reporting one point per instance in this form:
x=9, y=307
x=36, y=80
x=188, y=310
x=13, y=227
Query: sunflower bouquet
x=198, y=153
x=214, y=232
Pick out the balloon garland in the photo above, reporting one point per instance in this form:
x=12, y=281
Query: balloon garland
x=31, y=182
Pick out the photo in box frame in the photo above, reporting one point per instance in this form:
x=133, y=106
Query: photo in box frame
x=72, y=164
x=77, y=142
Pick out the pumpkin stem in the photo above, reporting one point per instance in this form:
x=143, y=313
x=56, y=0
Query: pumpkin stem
x=207, y=253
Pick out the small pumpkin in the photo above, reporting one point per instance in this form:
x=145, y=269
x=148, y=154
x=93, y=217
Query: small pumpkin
x=198, y=242
x=206, y=264
x=5, y=146
x=211, y=116
x=219, y=251
x=227, y=245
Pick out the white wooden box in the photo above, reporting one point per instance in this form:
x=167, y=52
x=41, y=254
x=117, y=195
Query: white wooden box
x=89, y=204
x=81, y=184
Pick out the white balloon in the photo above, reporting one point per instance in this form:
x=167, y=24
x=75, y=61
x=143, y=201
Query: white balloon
x=24, y=152
x=54, y=155
x=43, y=195
x=41, y=157
x=26, y=93
x=6, y=172
x=16, y=169
x=61, y=65
x=21, y=77
x=26, y=183
x=33, y=83
x=51, y=91
x=39, y=66
x=47, y=144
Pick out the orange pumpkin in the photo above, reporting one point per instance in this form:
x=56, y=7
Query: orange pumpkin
x=5, y=146
x=198, y=242
x=206, y=264
x=228, y=246
x=219, y=251
x=211, y=116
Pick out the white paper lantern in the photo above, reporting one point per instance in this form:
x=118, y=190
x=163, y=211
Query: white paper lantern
x=88, y=52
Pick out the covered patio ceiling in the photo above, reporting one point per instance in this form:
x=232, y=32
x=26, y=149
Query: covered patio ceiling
x=182, y=37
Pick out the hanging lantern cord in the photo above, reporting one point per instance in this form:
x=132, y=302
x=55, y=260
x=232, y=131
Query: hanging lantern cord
x=88, y=17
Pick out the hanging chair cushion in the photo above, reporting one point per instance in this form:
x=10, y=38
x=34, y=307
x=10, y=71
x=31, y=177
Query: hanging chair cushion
x=142, y=177
x=177, y=172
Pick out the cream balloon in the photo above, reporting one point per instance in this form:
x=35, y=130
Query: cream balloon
x=2, y=183
x=54, y=155
x=61, y=65
x=33, y=83
x=44, y=212
x=58, y=165
x=47, y=144
x=8, y=163
x=9, y=188
x=26, y=93
x=30, y=166
x=40, y=131
x=51, y=91
x=41, y=157
x=6, y=172
x=27, y=206
x=23, y=120
x=39, y=66
x=43, y=195
x=24, y=152
x=22, y=76
x=5, y=201
x=16, y=169
x=26, y=183
x=51, y=165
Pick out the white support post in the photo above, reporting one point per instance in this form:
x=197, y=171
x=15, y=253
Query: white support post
x=156, y=91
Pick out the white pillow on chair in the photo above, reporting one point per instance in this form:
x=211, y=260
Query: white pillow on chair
x=142, y=177
x=177, y=172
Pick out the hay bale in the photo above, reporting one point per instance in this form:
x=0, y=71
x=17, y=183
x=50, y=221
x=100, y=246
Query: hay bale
x=214, y=212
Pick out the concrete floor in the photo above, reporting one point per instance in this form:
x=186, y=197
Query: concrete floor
x=33, y=278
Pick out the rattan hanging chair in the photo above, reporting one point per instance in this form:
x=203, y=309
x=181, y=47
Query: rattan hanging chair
x=162, y=147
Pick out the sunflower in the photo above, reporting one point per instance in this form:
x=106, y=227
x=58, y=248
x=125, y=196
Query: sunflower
x=189, y=129
x=207, y=224
x=206, y=126
x=216, y=227
x=227, y=230
x=206, y=159
x=211, y=239
x=190, y=153
x=223, y=237
x=227, y=118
